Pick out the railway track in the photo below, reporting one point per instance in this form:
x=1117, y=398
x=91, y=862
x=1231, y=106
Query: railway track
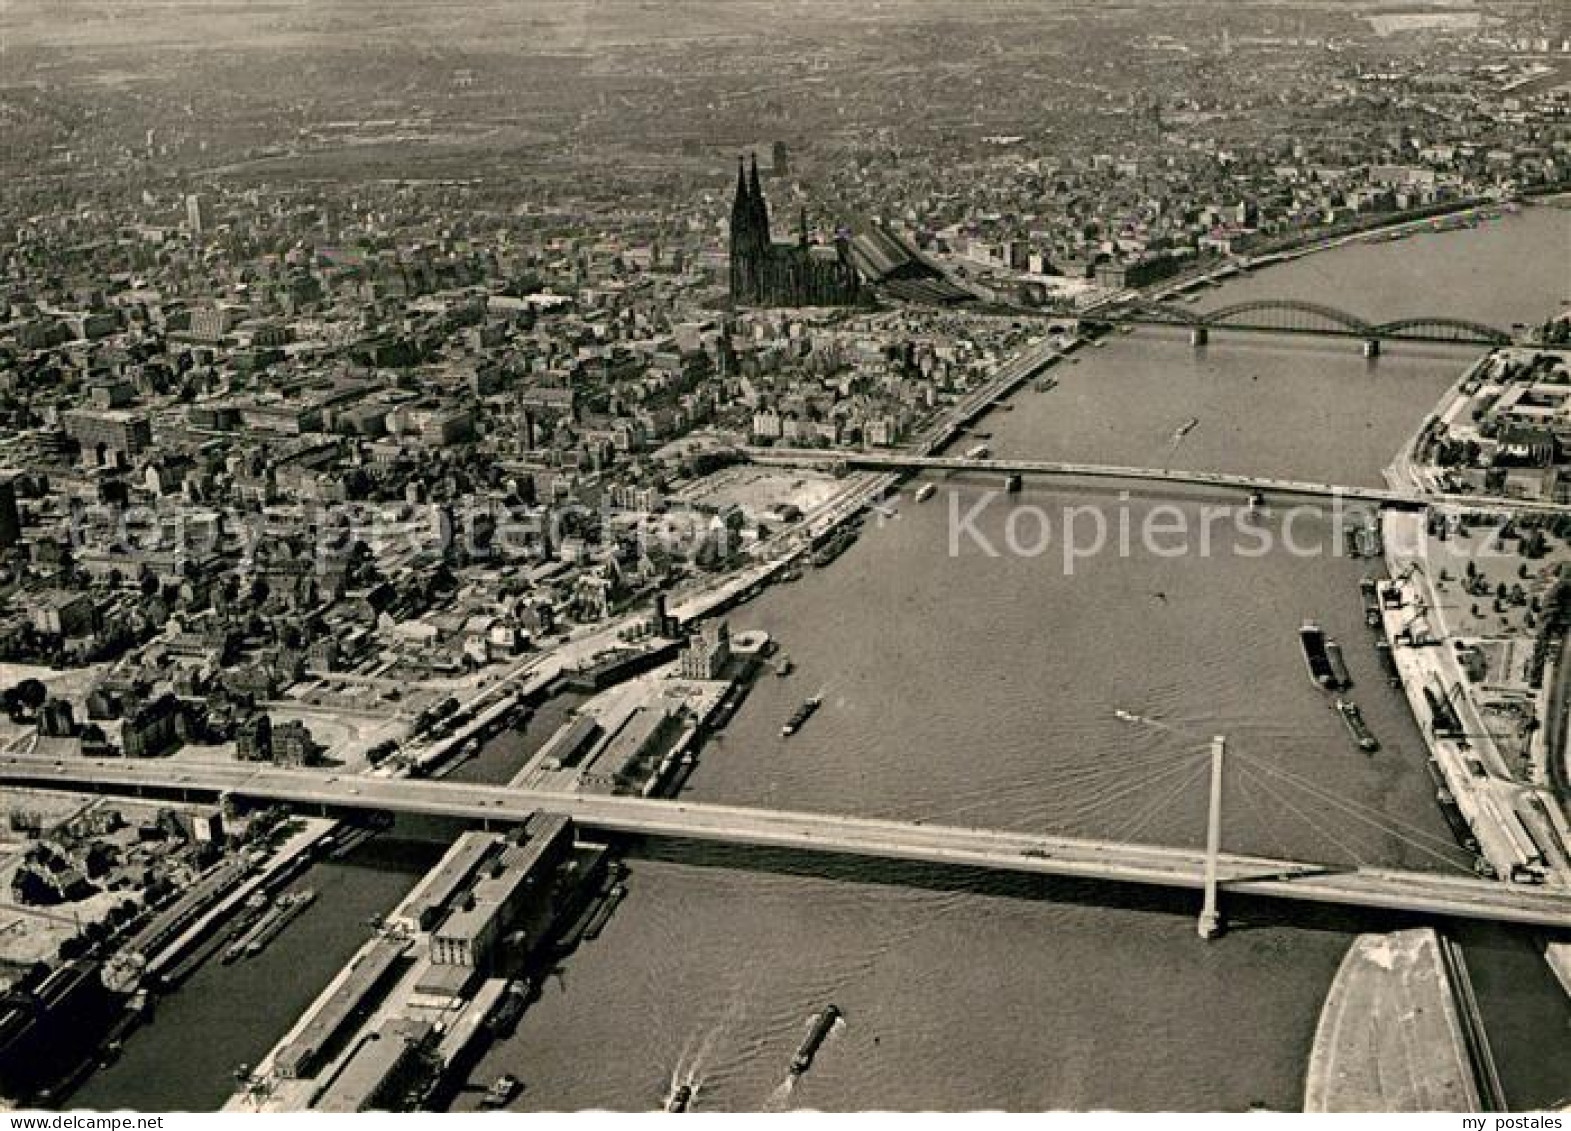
x=1486, y=1074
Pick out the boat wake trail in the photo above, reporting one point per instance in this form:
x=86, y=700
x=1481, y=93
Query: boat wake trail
x=780, y=1098
x=1143, y=720
x=1179, y=729
x=698, y=1051
x=1180, y=432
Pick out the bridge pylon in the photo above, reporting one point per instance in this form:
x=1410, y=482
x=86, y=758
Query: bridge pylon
x=1210, y=917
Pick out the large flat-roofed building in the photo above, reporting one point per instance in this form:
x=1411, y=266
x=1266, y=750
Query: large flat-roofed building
x=550, y=839
x=375, y=1076
x=570, y=744
x=639, y=735
x=356, y=994
x=437, y=891
x=212, y=323
x=64, y=614
x=290, y=418
x=469, y=935
x=113, y=437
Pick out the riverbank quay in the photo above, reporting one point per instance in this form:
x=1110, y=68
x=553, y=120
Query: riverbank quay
x=1443, y=695
x=1442, y=217
x=1521, y=822
x=1407, y=471
x=108, y=996
x=170, y=964
x=1391, y=1037
x=447, y=969
x=453, y=965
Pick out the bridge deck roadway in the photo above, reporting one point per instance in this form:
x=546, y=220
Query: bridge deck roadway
x=797, y=457
x=1422, y=892
x=893, y=461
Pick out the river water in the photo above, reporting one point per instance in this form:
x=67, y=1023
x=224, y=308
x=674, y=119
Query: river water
x=977, y=689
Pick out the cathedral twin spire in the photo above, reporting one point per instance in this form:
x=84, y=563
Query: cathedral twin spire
x=766, y=274
x=749, y=212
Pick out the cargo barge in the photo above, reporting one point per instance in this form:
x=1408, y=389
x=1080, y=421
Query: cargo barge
x=1312, y=639
x=823, y=1025
x=1452, y=812
x=269, y=926
x=1370, y=589
x=504, y=1019
x=1354, y=718
x=1449, y=809
x=1388, y=663
x=236, y=939
x=1339, y=675
x=836, y=545
x=800, y=716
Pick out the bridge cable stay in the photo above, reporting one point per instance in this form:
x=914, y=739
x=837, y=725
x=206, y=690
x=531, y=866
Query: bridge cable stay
x=1133, y=789
x=1408, y=834
x=1142, y=817
x=1384, y=818
x=1110, y=780
x=1377, y=816
x=1267, y=824
x=1251, y=776
x=1123, y=790
x=1438, y=847
x=1137, y=824
x=1254, y=803
x=1104, y=777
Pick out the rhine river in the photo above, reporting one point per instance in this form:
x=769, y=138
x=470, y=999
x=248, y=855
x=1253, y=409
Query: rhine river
x=967, y=688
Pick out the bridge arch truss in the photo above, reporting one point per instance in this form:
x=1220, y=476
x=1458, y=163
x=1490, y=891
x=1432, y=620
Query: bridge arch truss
x=1288, y=315
x=1430, y=329
x=1294, y=316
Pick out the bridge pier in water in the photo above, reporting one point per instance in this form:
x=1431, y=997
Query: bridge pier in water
x=1210, y=916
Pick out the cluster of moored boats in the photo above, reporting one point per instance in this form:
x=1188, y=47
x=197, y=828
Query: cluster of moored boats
x=1328, y=671
x=264, y=922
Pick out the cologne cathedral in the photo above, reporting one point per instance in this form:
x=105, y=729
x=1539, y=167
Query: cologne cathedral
x=764, y=273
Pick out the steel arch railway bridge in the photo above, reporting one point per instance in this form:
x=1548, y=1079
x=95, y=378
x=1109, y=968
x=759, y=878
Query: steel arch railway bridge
x=1293, y=316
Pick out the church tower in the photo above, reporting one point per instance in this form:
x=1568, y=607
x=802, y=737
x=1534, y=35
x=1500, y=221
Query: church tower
x=791, y=274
